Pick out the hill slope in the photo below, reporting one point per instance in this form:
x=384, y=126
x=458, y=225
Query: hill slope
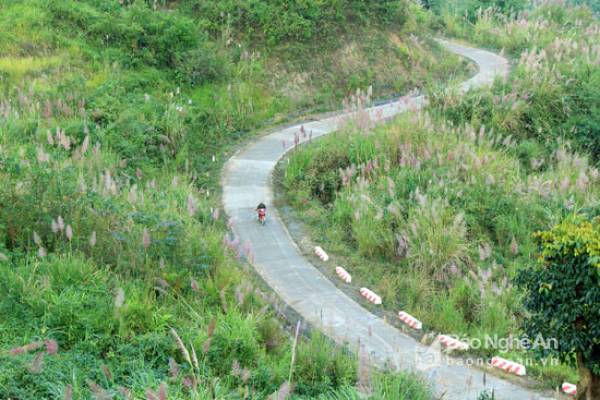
x=113, y=120
x=437, y=214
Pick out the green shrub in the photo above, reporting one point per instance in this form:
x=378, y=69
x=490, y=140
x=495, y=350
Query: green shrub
x=317, y=368
x=144, y=36
x=286, y=21
x=562, y=293
x=472, y=8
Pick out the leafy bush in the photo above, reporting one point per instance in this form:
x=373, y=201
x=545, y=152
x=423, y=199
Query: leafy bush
x=562, y=293
x=143, y=36
x=279, y=21
x=472, y=8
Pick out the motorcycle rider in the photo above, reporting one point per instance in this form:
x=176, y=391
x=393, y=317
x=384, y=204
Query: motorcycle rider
x=262, y=212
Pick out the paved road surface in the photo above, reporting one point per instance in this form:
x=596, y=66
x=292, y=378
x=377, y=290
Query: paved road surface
x=247, y=180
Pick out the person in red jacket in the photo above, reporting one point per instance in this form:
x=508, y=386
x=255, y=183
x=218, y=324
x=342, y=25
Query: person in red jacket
x=262, y=213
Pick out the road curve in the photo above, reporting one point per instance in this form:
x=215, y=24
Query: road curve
x=247, y=180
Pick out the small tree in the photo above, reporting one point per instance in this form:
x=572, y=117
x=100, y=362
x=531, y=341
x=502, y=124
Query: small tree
x=562, y=295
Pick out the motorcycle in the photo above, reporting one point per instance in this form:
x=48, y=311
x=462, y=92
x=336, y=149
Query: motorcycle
x=262, y=216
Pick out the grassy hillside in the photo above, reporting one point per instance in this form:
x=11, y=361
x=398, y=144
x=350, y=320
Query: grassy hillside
x=127, y=63
x=436, y=213
x=114, y=120
x=553, y=95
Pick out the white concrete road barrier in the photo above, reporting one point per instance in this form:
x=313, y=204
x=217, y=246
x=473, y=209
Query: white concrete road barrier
x=509, y=366
x=569, y=388
x=343, y=274
x=451, y=343
x=321, y=253
x=369, y=295
x=410, y=320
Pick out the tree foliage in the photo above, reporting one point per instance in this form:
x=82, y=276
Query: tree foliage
x=563, y=292
x=278, y=21
x=470, y=8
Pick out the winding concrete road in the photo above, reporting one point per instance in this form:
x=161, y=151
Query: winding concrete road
x=247, y=180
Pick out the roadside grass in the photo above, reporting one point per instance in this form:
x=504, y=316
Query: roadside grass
x=437, y=219
x=104, y=262
x=551, y=97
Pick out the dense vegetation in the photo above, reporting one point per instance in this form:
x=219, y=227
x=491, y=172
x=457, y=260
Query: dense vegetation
x=437, y=213
x=560, y=294
x=114, y=119
x=553, y=96
x=296, y=22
